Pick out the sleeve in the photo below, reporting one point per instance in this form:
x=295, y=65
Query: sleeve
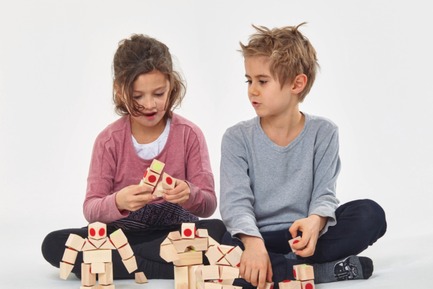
x=326, y=169
x=100, y=202
x=199, y=176
x=237, y=198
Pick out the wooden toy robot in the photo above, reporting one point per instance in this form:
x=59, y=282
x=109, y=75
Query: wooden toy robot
x=97, y=258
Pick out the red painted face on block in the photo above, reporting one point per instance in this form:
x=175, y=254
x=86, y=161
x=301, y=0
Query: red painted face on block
x=97, y=231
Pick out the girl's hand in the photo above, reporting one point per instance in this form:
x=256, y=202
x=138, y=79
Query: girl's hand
x=255, y=266
x=310, y=228
x=134, y=197
x=179, y=195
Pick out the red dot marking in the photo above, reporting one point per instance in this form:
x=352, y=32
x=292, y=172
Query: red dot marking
x=296, y=241
x=145, y=174
x=187, y=232
x=92, y=232
x=294, y=273
x=287, y=281
x=169, y=180
x=101, y=232
x=238, y=265
x=309, y=286
x=152, y=179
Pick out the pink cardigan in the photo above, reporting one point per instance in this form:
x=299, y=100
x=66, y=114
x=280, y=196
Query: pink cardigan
x=115, y=165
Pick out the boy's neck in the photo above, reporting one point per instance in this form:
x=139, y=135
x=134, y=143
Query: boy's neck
x=283, y=129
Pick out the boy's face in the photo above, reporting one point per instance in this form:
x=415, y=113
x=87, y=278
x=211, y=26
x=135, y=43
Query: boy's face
x=150, y=90
x=266, y=95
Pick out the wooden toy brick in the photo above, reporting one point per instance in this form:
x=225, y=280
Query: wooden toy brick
x=290, y=284
x=159, y=191
x=107, y=277
x=228, y=272
x=97, y=256
x=210, y=272
x=167, y=181
x=234, y=256
x=225, y=248
x=130, y=264
x=175, y=235
x=126, y=252
x=308, y=284
x=97, y=267
x=97, y=231
x=181, y=277
x=212, y=242
x=203, y=233
x=150, y=177
x=111, y=286
x=157, y=166
x=69, y=256
x=303, y=272
x=189, y=258
x=88, y=246
x=212, y=285
x=294, y=241
x=118, y=238
x=192, y=277
x=213, y=255
x=140, y=278
x=87, y=278
x=269, y=285
x=65, y=270
x=188, y=230
x=168, y=252
x=197, y=244
x=75, y=242
x=223, y=262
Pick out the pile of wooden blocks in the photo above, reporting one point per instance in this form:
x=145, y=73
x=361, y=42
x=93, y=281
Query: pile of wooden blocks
x=185, y=250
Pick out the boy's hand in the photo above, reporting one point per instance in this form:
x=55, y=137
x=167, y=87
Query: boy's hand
x=310, y=228
x=134, y=197
x=255, y=265
x=179, y=195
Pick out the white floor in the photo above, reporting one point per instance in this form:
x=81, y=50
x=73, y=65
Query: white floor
x=399, y=263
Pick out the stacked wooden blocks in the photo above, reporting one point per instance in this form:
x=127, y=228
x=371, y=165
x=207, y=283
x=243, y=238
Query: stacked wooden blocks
x=185, y=250
x=304, y=278
x=152, y=178
x=97, y=257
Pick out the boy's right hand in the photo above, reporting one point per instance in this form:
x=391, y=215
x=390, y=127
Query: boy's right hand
x=255, y=266
x=134, y=197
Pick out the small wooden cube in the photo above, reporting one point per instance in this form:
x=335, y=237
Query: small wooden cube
x=290, y=284
x=303, y=272
x=140, y=278
x=118, y=238
x=157, y=166
x=188, y=230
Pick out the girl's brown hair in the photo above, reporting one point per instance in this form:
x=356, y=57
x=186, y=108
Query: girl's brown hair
x=138, y=55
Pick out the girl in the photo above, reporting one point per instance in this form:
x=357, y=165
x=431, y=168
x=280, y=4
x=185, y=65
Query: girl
x=146, y=89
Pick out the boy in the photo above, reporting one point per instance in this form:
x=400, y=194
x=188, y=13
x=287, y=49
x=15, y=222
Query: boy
x=279, y=172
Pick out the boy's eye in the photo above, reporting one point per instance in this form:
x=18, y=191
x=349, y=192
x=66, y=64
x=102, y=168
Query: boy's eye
x=248, y=81
x=263, y=81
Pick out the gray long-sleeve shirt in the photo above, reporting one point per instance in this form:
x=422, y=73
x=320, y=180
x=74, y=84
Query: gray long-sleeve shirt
x=266, y=187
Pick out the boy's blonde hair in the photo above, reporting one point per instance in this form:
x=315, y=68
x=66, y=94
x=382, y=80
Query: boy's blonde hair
x=290, y=52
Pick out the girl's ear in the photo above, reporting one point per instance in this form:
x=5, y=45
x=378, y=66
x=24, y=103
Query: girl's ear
x=299, y=83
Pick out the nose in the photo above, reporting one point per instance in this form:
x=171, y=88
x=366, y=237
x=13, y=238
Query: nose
x=252, y=90
x=149, y=102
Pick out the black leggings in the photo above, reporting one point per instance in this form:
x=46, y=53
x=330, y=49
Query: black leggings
x=360, y=223
x=145, y=245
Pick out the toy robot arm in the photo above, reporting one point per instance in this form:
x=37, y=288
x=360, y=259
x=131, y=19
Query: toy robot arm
x=120, y=241
x=73, y=246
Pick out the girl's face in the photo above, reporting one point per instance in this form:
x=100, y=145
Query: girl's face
x=150, y=90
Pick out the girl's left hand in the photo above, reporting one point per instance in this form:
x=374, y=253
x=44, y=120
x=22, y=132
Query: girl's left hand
x=179, y=195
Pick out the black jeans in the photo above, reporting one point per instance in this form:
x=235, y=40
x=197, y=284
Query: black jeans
x=360, y=223
x=145, y=245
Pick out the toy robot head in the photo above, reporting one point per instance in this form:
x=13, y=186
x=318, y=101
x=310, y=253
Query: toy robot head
x=97, y=231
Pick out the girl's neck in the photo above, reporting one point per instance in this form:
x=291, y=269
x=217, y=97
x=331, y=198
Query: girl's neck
x=283, y=129
x=145, y=134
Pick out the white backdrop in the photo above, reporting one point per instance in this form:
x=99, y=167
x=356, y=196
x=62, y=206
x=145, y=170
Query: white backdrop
x=55, y=95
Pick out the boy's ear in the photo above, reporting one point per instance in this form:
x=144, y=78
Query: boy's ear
x=299, y=83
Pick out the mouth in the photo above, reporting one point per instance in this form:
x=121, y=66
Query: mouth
x=149, y=114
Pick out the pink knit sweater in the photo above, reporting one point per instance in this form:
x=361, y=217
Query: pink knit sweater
x=115, y=165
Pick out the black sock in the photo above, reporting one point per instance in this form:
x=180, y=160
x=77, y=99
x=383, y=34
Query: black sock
x=350, y=268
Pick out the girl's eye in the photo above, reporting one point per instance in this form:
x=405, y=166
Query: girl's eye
x=159, y=94
x=136, y=97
